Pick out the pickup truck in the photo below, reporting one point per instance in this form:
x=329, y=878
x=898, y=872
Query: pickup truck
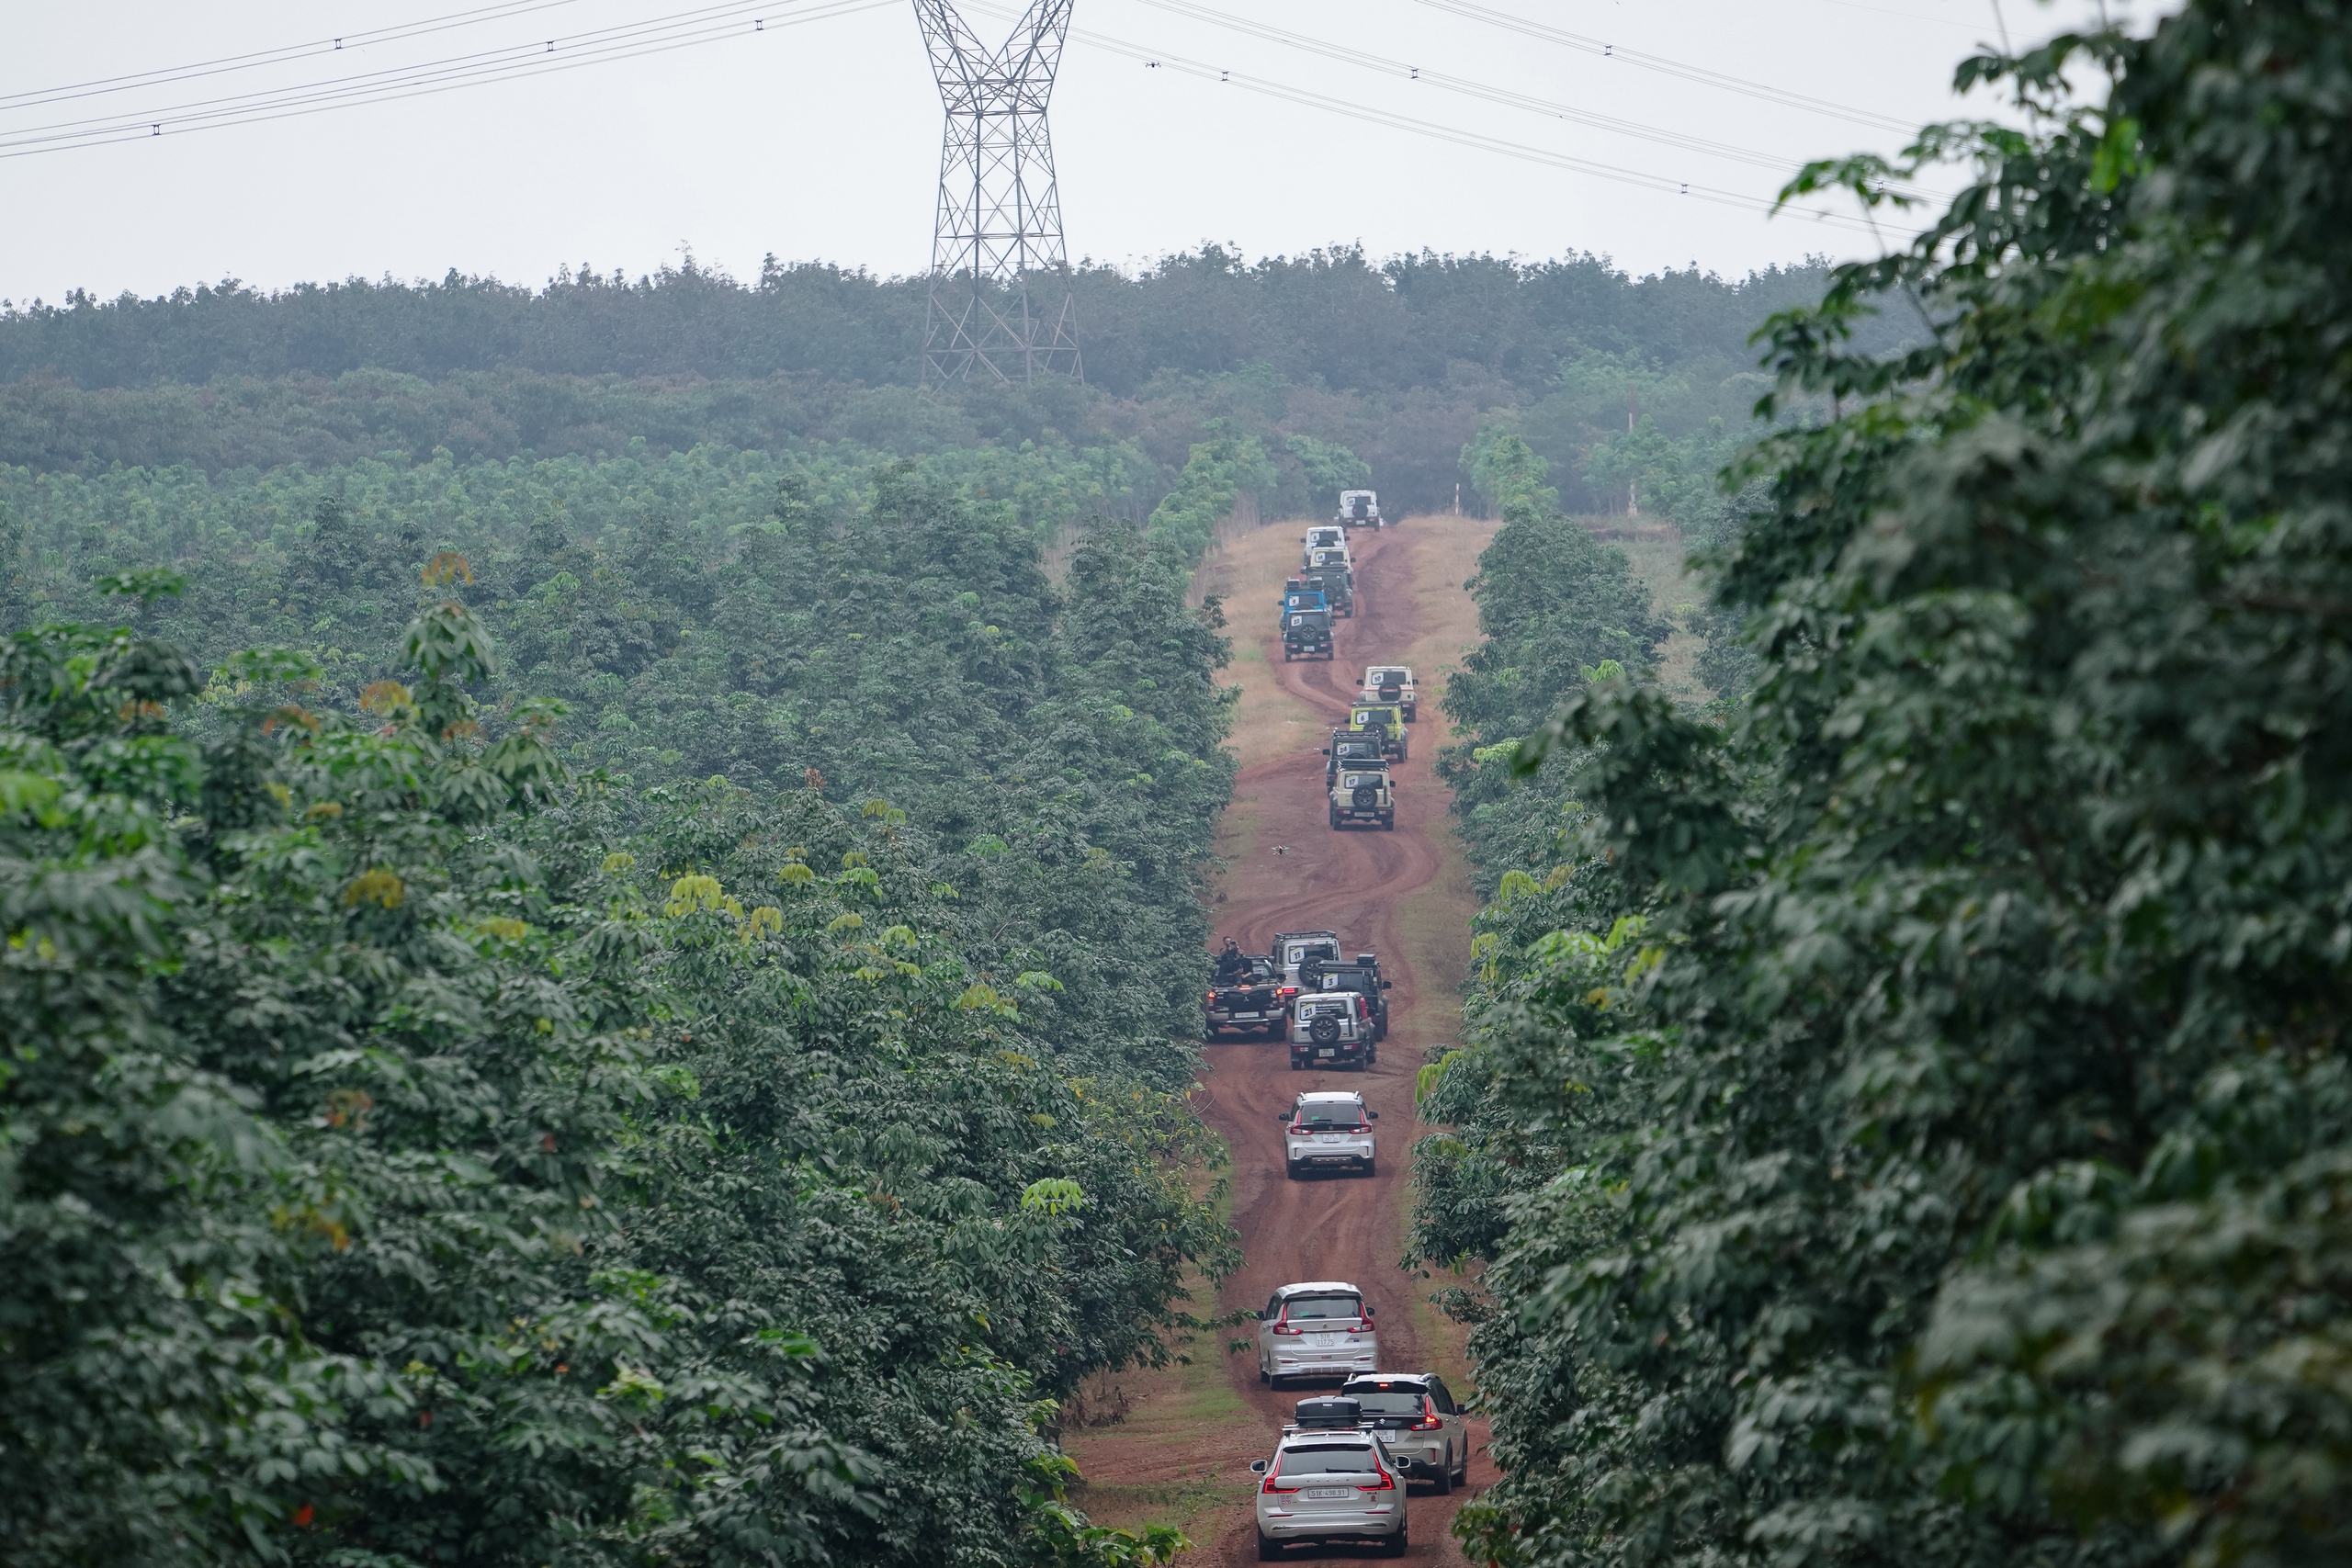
x=1249, y=1006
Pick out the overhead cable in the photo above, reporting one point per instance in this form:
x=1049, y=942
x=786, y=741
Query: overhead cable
x=262, y=57
x=1663, y=184
x=1660, y=63
x=1446, y=81
x=541, y=57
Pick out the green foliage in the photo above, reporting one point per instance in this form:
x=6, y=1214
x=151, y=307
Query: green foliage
x=1216, y=474
x=1396, y=362
x=418, y=1151
x=1949, y=1167
x=1508, y=473
x=1556, y=605
x=1325, y=469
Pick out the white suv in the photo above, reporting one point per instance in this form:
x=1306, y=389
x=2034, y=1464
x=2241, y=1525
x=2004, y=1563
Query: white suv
x=1418, y=1424
x=1328, y=1487
x=1379, y=678
x=1319, y=1329
x=1329, y=1131
x=1323, y=537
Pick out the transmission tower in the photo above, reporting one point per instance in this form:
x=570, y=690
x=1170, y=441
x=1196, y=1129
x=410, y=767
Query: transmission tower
x=1000, y=220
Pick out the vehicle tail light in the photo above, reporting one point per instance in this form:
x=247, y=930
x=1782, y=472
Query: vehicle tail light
x=1210, y=997
x=1387, y=1483
x=1429, y=1421
x=1287, y=992
x=1284, y=1328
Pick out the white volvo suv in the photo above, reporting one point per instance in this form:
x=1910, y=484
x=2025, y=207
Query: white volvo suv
x=1322, y=1328
x=1329, y=1486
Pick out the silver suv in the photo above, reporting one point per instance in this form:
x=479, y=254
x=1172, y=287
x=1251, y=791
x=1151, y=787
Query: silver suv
x=1418, y=1424
x=1332, y=1029
x=1319, y=1329
x=1328, y=1487
x=1331, y=1131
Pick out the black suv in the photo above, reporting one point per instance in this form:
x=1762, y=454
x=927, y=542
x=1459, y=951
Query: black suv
x=1363, y=976
x=1353, y=748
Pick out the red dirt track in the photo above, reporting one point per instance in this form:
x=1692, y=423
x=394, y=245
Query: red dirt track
x=1399, y=894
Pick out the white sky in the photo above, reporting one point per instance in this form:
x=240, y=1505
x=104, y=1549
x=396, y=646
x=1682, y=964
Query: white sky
x=821, y=142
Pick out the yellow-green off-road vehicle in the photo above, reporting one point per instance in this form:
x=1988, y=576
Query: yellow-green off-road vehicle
x=1385, y=719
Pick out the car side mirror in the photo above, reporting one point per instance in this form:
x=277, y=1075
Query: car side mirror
x=1257, y=1467
x=1282, y=1115
x=1373, y=1115
x=1384, y=985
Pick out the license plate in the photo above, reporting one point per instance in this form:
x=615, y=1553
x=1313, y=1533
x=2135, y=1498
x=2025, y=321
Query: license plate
x=1329, y=1050
x=1248, y=1015
x=1329, y=1494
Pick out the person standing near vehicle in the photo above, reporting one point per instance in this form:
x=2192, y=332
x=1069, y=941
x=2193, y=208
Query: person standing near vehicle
x=1230, y=965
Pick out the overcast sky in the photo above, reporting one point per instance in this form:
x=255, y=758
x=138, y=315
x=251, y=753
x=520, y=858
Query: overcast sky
x=820, y=140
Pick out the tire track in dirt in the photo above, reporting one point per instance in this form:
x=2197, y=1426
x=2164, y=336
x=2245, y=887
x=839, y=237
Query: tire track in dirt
x=1391, y=893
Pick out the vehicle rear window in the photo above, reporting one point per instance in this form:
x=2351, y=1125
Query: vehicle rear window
x=1402, y=1402
x=1352, y=1460
x=1299, y=1307
x=1330, y=1116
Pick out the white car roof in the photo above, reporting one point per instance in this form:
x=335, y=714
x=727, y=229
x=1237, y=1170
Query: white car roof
x=1332, y=1097
x=1329, y=1438
x=1320, y=1288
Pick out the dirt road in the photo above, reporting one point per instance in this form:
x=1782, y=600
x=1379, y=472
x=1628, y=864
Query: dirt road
x=1401, y=893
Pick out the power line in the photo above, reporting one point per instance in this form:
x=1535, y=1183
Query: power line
x=1549, y=108
x=1661, y=64
x=541, y=57
x=1663, y=184
x=261, y=57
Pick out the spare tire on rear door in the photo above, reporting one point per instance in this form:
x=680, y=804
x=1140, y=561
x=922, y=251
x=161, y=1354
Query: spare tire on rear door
x=1366, y=796
x=1323, y=1031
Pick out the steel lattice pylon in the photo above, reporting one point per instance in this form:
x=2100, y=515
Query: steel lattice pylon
x=999, y=218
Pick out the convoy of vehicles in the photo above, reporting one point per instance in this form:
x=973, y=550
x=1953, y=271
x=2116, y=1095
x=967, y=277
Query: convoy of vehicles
x=1342, y=1468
